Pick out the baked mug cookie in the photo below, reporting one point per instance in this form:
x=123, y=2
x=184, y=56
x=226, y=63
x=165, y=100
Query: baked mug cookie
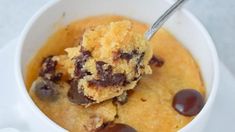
x=101, y=74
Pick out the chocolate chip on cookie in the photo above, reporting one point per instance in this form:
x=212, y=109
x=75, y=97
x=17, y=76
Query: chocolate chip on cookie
x=116, y=127
x=188, y=102
x=76, y=94
x=45, y=90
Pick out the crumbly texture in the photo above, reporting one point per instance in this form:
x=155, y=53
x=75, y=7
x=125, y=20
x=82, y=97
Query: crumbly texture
x=148, y=108
x=113, y=49
x=150, y=105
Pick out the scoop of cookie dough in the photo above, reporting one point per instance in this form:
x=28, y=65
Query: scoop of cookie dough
x=108, y=61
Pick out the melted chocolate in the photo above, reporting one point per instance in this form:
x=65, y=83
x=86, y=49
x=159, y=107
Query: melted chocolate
x=116, y=127
x=46, y=90
x=76, y=95
x=156, y=61
x=79, y=62
x=106, y=76
x=48, y=66
x=126, y=56
x=122, y=55
x=103, y=74
x=188, y=102
x=118, y=79
x=56, y=77
x=48, y=70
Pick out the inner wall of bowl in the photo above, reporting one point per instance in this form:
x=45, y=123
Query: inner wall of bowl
x=180, y=25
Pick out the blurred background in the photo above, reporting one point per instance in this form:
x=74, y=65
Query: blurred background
x=218, y=16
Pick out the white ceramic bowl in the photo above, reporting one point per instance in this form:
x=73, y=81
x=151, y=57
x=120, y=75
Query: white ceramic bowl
x=183, y=25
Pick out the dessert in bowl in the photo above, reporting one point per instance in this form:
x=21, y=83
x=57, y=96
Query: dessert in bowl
x=99, y=73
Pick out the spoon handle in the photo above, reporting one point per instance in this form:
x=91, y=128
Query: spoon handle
x=155, y=27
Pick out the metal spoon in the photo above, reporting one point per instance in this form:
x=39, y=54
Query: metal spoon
x=161, y=20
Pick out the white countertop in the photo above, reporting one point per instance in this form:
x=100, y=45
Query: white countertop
x=218, y=16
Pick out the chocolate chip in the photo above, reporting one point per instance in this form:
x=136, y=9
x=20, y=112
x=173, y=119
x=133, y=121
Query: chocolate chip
x=45, y=90
x=122, y=55
x=56, y=77
x=48, y=66
x=126, y=56
x=99, y=83
x=138, y=64
x=82, y=73
x=48, y=70
x=86, y=54
x=188, y=102
x=103, y=74
x=116, y=127
x=135, y=52
x=99, y=67
x=80, y=62
x=156, y=61
x=76, y=95
x=118, y=79
x=121, y=99
x=106, y=76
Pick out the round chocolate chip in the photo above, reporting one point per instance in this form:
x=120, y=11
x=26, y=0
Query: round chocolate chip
x=45, y=90
x=117, y=127
x=76, y=95
x=188, y=102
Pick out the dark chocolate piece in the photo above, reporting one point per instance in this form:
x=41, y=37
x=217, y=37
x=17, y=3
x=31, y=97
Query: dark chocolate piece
x=76, y=94
x=116, y=127
x=45, y=90
x=98, y=83
x=103, y=74
x=188, y=102
x=48, y=66
x=122, y=55
x=56, y=77
x=48, y=70
x=135, y=52
x=79, y=62
x=156, y=61
x=118, y=79
x=106, y=77
x=138, y=64
x=126, y=56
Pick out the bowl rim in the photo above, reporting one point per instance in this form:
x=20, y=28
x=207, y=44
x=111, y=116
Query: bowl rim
x=41, y=115
x=216, y=71
x=18, y=68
